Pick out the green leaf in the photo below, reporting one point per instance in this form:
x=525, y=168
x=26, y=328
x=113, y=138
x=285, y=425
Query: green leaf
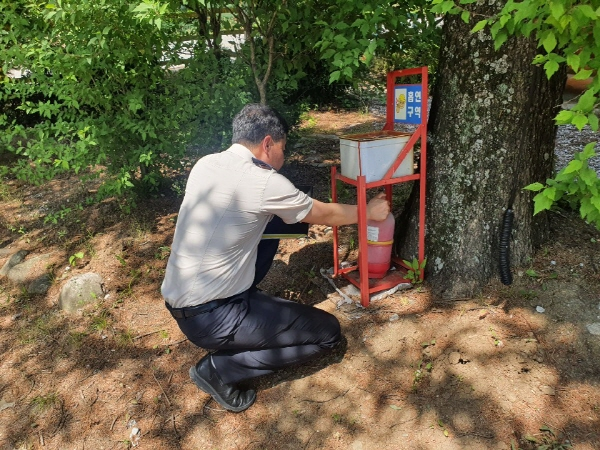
x=586, y=101
x=550, y=192
x=588, y=176
x=557, y=8
x=465, y=15
x=588, y=151
x=573, y=61
x=573, y=166
x=593, y=121
x=583, y=74
x=500, y=39
x=564, y=117
x=579, y=121
x=447, y=6
x=335, y=76
x=551, y=68
x=549, y=42
x=479, y=26
x=541, y=203
x=588, y=11
x=534, y=187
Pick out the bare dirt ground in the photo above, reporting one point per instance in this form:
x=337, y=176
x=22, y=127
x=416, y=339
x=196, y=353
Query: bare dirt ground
x=414, y=373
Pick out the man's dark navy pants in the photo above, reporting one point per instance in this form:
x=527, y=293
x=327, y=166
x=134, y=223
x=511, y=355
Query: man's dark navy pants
x=254, y=333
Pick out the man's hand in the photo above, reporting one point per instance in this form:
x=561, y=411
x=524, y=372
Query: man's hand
x=378, y=208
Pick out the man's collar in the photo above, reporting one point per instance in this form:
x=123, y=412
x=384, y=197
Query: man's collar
x=245, y=153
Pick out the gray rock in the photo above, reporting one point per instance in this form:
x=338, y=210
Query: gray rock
x=40, y=285
x=15, y=259
x=6, y=251
x=79, y=291
x=29, y=270
x=594, y=328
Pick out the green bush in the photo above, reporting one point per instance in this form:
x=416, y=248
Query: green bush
x=98, y=93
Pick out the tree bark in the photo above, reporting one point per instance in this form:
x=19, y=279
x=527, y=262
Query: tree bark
x=491, y=133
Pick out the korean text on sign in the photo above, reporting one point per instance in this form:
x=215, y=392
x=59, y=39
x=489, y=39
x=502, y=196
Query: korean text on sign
x=408, y=106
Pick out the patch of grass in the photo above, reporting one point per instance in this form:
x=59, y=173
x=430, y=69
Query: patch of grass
x=43, y=403
x=423, y=369
x=140, y=228
x=548, y=439
x=38, y=330
x=125, y=338
x=100, y=321
x=75, y=338
x=162, y=253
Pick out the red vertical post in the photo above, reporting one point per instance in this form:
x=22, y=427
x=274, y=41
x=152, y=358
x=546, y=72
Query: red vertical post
x=336, y=257
x=388, y=193
x=423, y=166
x=363, y=261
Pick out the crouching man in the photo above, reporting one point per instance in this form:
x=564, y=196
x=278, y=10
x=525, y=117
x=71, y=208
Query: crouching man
x=217, y=259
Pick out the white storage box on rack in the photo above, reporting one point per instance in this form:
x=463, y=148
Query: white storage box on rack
x=372, y=154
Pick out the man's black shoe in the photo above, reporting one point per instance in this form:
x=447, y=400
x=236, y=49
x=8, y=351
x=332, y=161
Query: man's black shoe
x=227, y=395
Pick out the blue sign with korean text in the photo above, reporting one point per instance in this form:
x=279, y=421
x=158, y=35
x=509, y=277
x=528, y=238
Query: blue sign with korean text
x=407, y=103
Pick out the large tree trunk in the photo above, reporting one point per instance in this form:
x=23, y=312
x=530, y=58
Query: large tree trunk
x=491, y=133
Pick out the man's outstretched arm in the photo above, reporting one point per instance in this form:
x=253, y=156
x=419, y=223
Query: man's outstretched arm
x=336, y=214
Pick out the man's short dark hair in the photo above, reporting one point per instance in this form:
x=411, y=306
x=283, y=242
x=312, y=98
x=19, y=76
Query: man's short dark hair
x=255, y=121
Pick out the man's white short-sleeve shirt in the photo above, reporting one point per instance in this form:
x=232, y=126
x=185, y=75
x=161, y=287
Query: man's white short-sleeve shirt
x=228, y=202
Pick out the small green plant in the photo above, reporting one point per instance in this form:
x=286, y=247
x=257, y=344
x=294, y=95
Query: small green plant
x=352, y=244
x=337, y=418
x=100, y=321
x=73, y=259
x=532, y=273
x=76, y=338
x=121, y=259
x=125, y=338
x=422, y=370
x=43, y=403
x=415, y=270
x=427, y=344
x=178, y=187
x=163, y=334
x=162, y=252
x=497, y=341
x=548, y=440
x=310, y=122
x=311, y=273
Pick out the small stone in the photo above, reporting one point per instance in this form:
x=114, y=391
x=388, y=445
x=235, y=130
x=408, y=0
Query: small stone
x=594, y=328
x=394, y=317
x=547, y=390
x=454, y=358
x=540, y=309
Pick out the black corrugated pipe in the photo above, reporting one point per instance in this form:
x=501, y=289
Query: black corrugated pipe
x=505, y=273
x=505, y=231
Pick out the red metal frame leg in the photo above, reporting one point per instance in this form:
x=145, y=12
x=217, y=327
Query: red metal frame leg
x=363, y=266
x=336, y=256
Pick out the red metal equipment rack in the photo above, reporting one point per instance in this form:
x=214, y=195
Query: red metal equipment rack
x=353, y=274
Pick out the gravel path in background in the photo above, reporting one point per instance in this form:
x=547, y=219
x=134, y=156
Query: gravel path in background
x=570, y=140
